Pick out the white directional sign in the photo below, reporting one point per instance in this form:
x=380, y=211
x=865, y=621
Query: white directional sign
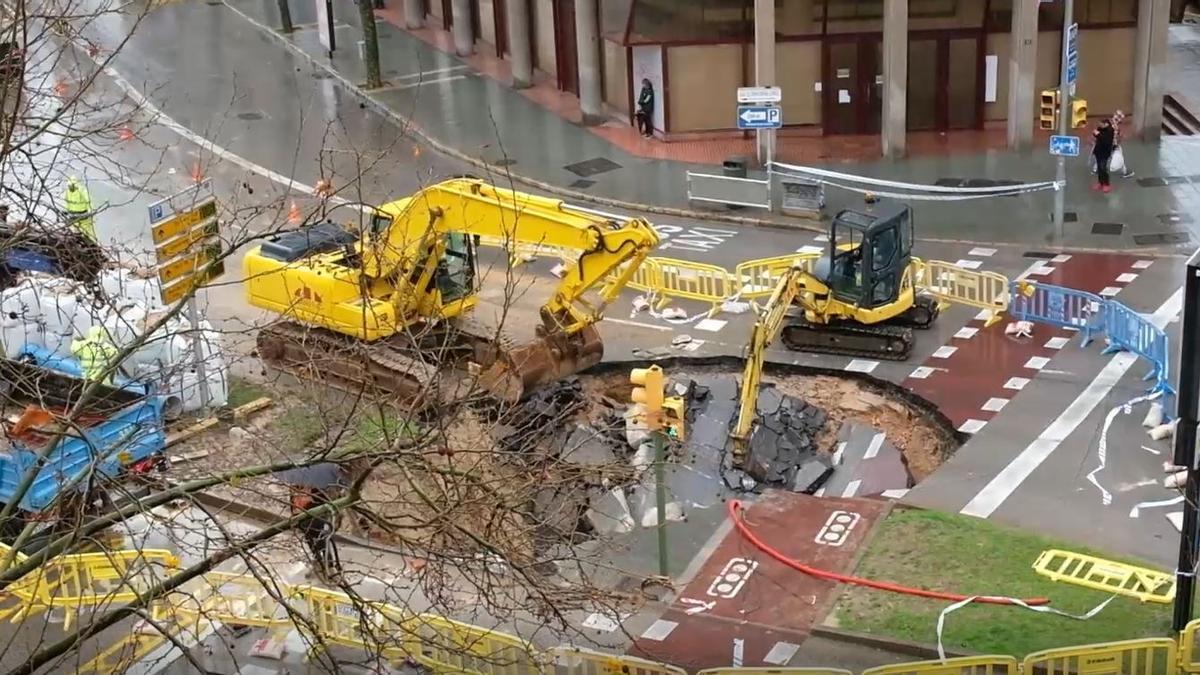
x=759, y=94
x=759, y=117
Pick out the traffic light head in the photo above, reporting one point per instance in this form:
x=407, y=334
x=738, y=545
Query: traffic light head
x=1079, y=113
x=648, y=390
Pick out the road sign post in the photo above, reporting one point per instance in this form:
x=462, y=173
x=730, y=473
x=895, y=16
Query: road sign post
x=1068, y=66
x=761, y=96
x=187, y=241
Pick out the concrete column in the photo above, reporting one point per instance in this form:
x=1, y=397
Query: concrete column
x=414, y=14
x=587, y=40
x=764, y=64
x=464, y=39
x=895, y=77
x=1022, y=71
x=1150, y=67
x=519, y=52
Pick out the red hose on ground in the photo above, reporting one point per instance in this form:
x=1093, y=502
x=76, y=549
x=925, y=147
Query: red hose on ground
x=735, y=514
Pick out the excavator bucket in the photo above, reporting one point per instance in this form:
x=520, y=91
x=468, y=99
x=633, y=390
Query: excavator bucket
x=522, y=369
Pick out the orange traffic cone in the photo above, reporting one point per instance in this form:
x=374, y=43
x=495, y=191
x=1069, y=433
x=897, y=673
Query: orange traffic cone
x=294, y=215
x=61, y=89
x=197, y=173
x=125, y=134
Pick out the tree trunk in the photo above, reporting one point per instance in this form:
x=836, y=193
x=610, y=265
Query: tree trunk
x=366, y=14
x=285, y=16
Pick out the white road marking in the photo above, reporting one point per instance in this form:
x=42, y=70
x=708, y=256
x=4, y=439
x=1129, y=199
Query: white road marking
x=1126, y=277
x=983, y=315
x=972, y=426
x=1137, y=508
x=781, y=653
x=837, y=454
x=659, y=630
x=1060, y=258
x=994, y=404
x=921, y=372
x=1057, y=343
x=861, y=366
x=944, y=352
x=739, y=651
x=627, y=322
x=968, y=264
x=711, y=325
x=1109, y=291
x=1037, y=362
x=874, y=446
x=1142, y=264
x=1023, y=465
x=982, y=252
x=851, y=488
x=1041, y=270
x=1151, y=450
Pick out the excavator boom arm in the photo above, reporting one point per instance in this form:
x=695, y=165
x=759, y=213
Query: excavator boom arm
x=474, y=207
x=766, y=329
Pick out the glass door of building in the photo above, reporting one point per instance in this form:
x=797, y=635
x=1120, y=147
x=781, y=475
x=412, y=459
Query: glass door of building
x=852, y=85
x=943, y=82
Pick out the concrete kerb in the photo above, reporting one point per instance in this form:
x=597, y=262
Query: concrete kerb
x=364, y=96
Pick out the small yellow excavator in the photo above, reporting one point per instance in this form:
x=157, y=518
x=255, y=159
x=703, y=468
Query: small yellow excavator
x=385, y=309
x=860, y=300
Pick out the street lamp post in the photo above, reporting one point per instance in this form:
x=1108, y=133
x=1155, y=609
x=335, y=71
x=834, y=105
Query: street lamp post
x=1064, y=117
x=1185, y=443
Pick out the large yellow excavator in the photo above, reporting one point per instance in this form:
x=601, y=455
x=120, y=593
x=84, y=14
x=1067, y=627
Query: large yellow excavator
x=386, y=309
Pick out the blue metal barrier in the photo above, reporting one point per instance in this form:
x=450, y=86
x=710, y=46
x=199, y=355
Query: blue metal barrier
x=1092, y=315
x=1132, y=332
x=1058, y=306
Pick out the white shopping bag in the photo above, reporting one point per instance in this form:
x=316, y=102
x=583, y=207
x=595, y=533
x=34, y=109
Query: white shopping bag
x=1116, y=164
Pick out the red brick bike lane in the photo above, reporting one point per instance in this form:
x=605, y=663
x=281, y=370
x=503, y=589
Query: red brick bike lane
x=974, y=375
x=744, y=607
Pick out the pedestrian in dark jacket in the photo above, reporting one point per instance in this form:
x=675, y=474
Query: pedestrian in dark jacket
x=645, y=111
x=1105, y=138
x=317, y=531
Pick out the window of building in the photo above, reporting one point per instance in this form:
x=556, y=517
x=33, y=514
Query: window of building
x=691, y=21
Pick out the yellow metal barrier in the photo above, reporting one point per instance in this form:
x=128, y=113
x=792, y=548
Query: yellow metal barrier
x=241, y=599
x=575, y=661
x=694, y=281
x=968, y=665
x=338, y=619
x=759, y=277
x=1132, y=657
x=774, y=671
x=646, y=278
x=1189, y=650
x=1099, y=574
x=448, y=646
x=953, y=284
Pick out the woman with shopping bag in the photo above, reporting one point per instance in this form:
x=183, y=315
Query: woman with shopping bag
x=1102, y=152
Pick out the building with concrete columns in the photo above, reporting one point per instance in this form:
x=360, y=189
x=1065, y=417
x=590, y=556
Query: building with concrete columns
x=870, y=67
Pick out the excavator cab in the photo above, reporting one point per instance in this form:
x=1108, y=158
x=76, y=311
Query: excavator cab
x=455, y=273
x=869, y=253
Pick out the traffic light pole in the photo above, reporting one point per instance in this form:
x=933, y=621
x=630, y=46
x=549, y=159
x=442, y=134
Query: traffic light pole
x=660, y=499
x=1064, y=122
x=1185, y=444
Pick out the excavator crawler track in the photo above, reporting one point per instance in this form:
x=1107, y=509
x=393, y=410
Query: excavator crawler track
x=887, y=342
x=921, y=315
x=382, y=370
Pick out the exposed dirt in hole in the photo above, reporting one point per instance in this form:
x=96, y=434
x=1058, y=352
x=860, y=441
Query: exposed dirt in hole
x=924, y=443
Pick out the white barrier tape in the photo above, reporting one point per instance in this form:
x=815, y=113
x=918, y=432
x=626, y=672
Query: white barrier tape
x=1045, y=609
x=933, y=198
x=1102, y=447
x=1136, y=511
x=915, y=187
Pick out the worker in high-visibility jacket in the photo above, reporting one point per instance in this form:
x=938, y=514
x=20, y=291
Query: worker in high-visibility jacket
x=95, y=353
x=78, y=205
